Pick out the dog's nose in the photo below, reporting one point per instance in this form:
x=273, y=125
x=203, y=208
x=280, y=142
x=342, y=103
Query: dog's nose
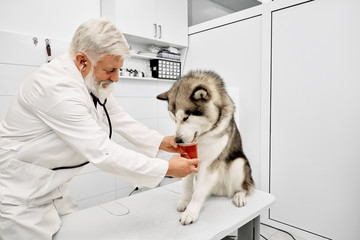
x=178, y=140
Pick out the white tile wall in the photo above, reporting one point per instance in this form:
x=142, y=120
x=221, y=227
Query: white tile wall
x=4, y=104
x=135, y=88
x=10, y=78
x=92, y=184
x=9, y=83
x=139, y=107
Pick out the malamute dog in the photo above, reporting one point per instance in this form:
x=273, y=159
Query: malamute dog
x=204, y=112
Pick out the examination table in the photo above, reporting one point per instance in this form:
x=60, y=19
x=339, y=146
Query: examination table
x=152, y=215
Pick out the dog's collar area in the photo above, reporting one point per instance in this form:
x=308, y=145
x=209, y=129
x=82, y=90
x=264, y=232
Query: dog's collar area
x=217, y=122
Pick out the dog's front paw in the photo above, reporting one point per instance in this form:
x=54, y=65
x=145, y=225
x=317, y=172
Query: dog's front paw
x=239, y=199
x=182, y=204
x=188, y=217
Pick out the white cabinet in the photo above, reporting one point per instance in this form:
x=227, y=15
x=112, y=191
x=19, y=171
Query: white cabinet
x=160, y=22
x=310, y=106
x=135, y=17
x=173, y=21
x=315, y=116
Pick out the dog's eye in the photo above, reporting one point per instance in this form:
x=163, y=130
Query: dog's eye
x=185, y=118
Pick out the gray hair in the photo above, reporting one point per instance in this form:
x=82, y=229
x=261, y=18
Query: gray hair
x=97, y=38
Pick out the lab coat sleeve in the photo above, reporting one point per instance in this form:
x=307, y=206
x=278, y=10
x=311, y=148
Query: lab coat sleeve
x=135, y=132
x=68, y=115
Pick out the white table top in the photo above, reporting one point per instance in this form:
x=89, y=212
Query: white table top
x=152, y=215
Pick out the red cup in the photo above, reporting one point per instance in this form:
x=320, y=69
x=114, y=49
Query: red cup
x=189, y=151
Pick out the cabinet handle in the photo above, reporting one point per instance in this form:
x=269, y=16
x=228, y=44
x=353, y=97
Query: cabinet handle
x=160, y=31
x=155, y=30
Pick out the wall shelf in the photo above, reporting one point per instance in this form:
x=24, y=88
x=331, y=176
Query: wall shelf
x=147, y=79
x=149, y=57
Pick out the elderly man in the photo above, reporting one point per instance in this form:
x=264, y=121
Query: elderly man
x=53, y=128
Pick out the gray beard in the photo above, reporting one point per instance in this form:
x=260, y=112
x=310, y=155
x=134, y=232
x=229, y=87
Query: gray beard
x=97, y=88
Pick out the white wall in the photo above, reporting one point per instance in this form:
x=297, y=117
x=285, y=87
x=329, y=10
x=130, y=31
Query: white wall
x=55, y=19
x=19, y=57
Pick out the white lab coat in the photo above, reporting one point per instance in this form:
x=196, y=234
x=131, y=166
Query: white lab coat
x=53, y=122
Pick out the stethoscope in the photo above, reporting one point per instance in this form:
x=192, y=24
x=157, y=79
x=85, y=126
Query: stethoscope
x=96, y=101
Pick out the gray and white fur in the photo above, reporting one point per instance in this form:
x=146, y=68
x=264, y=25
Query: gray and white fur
x=204, y=112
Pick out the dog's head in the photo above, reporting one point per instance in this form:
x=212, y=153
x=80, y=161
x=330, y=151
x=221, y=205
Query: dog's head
x=196, y=102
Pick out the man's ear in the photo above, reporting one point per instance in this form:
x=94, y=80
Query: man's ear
x=163, y=96
x=200, y=93
x=81, y=60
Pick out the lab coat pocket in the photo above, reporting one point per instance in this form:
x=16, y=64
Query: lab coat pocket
x=26, y=183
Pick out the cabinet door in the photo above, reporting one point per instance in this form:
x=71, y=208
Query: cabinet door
x=234, y=51
x=315, y=116
x=171, y=17
x=135, y=17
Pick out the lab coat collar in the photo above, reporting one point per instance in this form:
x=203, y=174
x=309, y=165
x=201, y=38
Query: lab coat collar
x=70, y=65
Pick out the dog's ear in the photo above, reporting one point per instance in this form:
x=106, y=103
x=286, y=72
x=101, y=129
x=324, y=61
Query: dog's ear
x=200, y=93
x=163, y=96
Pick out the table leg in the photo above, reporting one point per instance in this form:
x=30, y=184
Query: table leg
x=256, y=222
x=250, y=231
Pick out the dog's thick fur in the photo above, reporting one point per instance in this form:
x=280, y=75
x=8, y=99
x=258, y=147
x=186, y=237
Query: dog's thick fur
x=204, y=112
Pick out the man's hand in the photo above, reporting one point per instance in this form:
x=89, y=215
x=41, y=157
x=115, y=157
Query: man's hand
x=168, y=144
x=180, y=167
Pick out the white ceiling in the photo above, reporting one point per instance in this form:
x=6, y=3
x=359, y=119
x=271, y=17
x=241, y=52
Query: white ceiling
x=237, y=5
x=205, y=10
